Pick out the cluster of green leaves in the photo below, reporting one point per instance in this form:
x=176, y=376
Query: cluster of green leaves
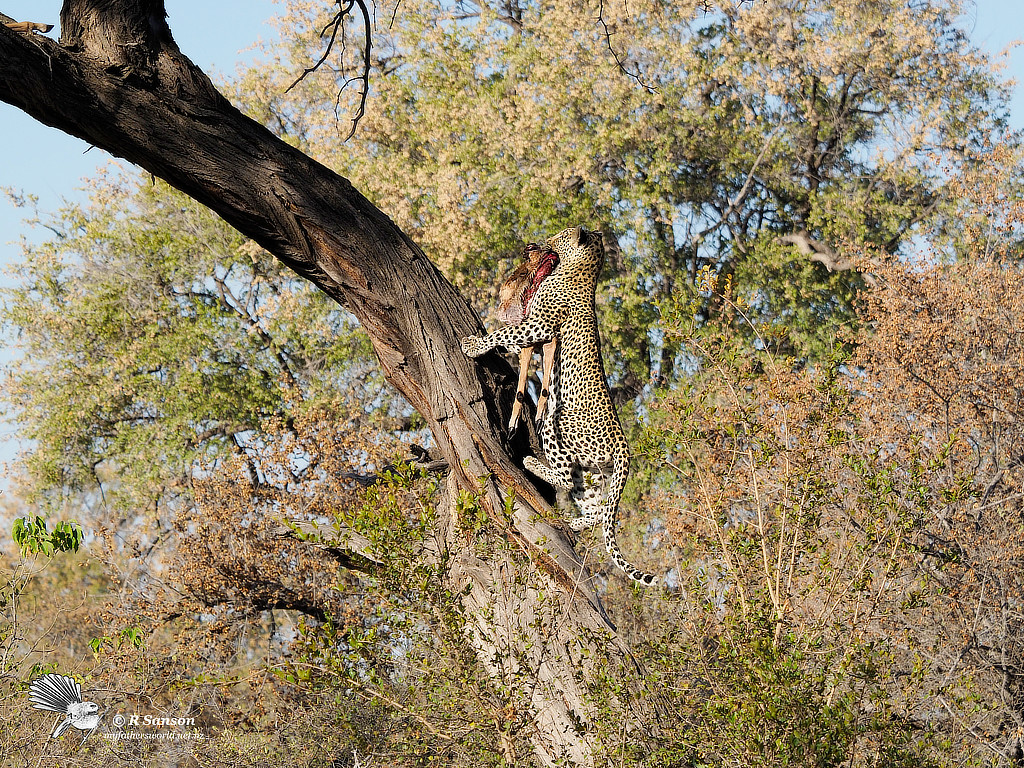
x=34, y=537
x=133, y=636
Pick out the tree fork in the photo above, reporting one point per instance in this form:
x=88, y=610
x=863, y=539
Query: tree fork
x=118, y=81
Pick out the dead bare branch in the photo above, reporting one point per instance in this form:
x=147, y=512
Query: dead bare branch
x=637, y=75
x=337, y=25
x=822, y=253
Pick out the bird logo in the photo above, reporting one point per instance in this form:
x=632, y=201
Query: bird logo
x=62, y=694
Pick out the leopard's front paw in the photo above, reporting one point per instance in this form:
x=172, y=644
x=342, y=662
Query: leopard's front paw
x=547, y=474
x=534, y=467
x=473, y=346
x=583, y=522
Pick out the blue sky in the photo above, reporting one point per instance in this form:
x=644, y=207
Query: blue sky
x=216, y=35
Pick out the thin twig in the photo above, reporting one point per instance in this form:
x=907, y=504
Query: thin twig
x=611, y=49
x=337, y=25
x=365, y=76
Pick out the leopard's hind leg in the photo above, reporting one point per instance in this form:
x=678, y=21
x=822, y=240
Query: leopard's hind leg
x=586, y=492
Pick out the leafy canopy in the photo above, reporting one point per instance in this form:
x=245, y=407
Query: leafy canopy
x=722, y=134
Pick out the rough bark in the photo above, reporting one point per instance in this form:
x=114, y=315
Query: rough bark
x=118, y=81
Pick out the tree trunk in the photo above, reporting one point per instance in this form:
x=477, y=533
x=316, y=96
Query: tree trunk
x=118, y=81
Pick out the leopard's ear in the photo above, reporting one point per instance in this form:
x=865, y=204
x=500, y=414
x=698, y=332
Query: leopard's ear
x=578, y=233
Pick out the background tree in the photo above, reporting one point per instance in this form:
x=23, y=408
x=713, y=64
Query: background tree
x=154, y=337
x=756, y=139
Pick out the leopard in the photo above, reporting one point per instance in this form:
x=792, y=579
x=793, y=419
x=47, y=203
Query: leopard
x=582, y=438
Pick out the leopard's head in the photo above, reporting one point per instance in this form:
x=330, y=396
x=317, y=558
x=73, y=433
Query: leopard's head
x=580, y=251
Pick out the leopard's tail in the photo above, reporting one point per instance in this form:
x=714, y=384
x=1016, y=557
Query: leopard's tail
x=617, y=482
